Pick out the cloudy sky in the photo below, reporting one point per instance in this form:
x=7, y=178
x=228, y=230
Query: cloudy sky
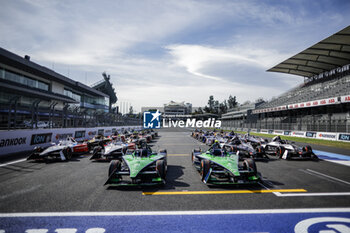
x=157, y=51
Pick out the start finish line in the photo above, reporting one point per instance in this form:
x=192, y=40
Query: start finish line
x=283, y=220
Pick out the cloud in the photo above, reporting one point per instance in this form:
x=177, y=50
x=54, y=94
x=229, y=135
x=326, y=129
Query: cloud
x=157, y=51
x=196, y=57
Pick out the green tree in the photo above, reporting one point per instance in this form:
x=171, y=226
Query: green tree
x=211, y=103
x=232, y=102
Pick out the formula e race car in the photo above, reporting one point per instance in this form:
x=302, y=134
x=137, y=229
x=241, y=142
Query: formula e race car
x=96, y=141
x=113, y=150
x=253, y=140
x=217, y=166
x=288, y=150
x=63, y=150
x=141, y=167
x=244, y=149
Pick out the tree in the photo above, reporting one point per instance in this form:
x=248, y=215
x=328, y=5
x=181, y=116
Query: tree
x=223, y=107
x=206, y=109
x=211, y=103
x=131, y=110
x=200, y=110
x=232, y=102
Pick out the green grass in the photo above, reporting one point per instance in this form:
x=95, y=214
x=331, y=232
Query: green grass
x=337, y=144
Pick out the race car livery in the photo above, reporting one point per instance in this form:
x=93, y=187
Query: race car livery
x=141, y=167
x=62, y=150
x=217, y=166
x=288, y=150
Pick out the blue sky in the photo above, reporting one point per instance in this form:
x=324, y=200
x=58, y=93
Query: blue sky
x=157, y=51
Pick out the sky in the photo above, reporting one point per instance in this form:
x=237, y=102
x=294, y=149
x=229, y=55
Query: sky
x=158, y=51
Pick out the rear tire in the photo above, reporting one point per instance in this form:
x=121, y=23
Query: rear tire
x=250, y=163
x=279, y=151
x=160, y=167
x=114, y=166
x=205, y=167
x=95, y=151
x=67, y=152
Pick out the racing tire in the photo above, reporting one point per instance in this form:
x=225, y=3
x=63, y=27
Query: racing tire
x=307, y=149
x=250, y=163
x=192, y=158
x=260, y=150
x=161, y=168
x=205, y=167
x=279, y=151
x=101, y=144
x=67, y=152
x=114, y=166
x=95, y=151
x=89, y=147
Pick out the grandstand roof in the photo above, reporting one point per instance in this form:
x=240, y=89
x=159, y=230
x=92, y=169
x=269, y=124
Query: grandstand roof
x=326, y=55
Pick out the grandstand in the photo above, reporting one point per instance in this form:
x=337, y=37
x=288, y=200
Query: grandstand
x=34, y=96
x=321, y=103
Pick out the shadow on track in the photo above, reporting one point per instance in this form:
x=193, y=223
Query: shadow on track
x=172, y=181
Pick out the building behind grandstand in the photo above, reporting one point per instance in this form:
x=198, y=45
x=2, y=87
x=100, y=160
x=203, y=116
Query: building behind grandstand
x=321, y=103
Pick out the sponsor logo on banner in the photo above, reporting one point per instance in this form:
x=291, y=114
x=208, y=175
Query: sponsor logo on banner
x=280, y=132
x=329, y=136
x=310, y=134
x=63, y=136
x=344, y=137
x=286, y=132
x=100, y=132
x=79, y=134
x=114, y=130
x=345, y=98
x=264, y=131
x=40, y=138
x=13, y=141
x=298, y=134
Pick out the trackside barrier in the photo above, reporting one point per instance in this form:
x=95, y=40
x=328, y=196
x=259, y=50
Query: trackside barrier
x=14, y=141
x=344, y=137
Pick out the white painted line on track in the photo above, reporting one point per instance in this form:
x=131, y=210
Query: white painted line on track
x=312, y=194
x=330, y=177
x=345, y=163
x=13, y=162
x=276, y=193
x=199, y=212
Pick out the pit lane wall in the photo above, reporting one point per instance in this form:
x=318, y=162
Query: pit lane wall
x=344, y=137
x=14, y=141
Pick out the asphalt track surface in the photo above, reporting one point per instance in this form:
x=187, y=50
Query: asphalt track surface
x=78, y=185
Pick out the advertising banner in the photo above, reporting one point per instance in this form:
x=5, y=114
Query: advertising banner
x=310, y=134
x=286, y=132
x=278, y=132
x=14, y=141
x=326, y=135
x=344, y=137
x=297, y=134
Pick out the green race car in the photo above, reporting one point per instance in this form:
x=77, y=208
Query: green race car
x=141, y=167
x=217, y=166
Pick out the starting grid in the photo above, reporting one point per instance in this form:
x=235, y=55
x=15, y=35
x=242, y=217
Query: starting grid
x=279, y=220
